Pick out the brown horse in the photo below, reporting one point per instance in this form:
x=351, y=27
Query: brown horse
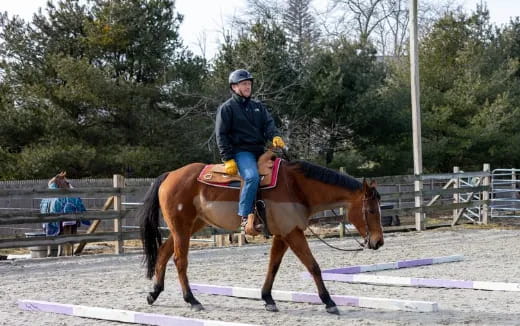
x=303, y=189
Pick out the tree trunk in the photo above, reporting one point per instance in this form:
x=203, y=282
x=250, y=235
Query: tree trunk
x=329, y=154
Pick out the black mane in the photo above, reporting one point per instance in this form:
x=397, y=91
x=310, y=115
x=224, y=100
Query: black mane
x=327, y=175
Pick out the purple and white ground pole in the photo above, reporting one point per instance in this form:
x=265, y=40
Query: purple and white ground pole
x=352, y=274
x=341, y=300
x=125, y=316
x=356, y=269
x=418, y=282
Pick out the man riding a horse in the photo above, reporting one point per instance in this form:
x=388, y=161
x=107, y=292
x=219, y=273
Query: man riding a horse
x=243, y=127
x=189, y=202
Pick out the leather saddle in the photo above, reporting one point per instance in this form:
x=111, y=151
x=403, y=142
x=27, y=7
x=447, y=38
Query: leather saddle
x=268, y=167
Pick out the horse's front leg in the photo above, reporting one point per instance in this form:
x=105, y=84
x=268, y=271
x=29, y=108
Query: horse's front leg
x=165, y=252
x=298, y=243
x=278, y=250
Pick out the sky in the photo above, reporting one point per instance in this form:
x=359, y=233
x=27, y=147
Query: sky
x=204, y=19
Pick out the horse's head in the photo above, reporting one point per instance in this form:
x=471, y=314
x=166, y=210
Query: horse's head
x=365, y=214
x=60, y=180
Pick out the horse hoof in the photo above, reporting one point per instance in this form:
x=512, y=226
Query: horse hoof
x=271, y=307
x=150, y=299
x=333, y=310
x=197, y=307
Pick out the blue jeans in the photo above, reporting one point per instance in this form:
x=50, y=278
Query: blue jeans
x=248, y=169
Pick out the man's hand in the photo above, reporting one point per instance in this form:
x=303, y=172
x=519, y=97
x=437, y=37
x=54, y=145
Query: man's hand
x=278, y=142
x=231, y=167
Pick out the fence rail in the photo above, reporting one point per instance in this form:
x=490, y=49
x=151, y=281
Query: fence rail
x=35, y=217
x=36, y=193
x=449, y=193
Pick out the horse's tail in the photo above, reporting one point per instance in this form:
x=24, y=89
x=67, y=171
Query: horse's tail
x=148, y=217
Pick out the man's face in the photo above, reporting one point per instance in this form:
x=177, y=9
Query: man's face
x=243, y=88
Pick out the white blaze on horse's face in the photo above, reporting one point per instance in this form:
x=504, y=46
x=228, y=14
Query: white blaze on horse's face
x=179, y=207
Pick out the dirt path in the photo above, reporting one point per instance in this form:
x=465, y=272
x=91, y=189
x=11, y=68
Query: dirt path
x=118, y=282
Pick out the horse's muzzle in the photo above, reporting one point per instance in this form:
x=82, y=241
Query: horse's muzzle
x=375, y=243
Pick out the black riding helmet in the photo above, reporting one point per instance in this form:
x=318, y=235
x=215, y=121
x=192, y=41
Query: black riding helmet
x=239, y=75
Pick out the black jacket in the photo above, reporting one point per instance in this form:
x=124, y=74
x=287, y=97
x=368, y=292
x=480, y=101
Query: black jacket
x=243, y=125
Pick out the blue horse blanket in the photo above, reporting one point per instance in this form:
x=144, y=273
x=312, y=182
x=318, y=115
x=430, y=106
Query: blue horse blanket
x=60, y=205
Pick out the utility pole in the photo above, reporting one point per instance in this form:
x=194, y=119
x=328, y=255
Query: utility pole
x=416, y=113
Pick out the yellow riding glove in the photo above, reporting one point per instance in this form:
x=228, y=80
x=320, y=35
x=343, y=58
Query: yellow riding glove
x=278, y=142
x=231, y=167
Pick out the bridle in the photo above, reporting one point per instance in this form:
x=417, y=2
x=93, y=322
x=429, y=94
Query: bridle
x=365, y=211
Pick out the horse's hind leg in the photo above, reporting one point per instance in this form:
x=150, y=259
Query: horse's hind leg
x=278, y=250
x=165, y=252
x=298, y=243
x=181, y=245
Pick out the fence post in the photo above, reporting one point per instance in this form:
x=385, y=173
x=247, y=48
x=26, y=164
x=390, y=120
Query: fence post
x=420, y=217
x=119, y=182
x=456, y=197
x=485, y=194
x=399, y=201
x=221, y=240
x=513, y=184
x=241, y=238
x=342, y=212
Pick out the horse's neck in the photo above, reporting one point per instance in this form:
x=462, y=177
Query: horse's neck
x=321, y=196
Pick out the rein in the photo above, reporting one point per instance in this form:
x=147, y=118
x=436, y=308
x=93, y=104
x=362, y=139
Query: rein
x=341, y=249
x=334, y=247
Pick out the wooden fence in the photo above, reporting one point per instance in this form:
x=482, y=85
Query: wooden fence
x=453, y=194
x=114, y=210
x=457, y=195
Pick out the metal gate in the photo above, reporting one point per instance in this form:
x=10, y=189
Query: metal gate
x=473, y=214
x=505, y=193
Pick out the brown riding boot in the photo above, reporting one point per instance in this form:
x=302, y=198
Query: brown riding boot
x=249, y=225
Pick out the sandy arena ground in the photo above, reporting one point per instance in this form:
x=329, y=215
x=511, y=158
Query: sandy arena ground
x=118, y=282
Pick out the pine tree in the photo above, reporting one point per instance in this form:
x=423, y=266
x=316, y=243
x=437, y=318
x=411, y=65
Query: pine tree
x=301, y=31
